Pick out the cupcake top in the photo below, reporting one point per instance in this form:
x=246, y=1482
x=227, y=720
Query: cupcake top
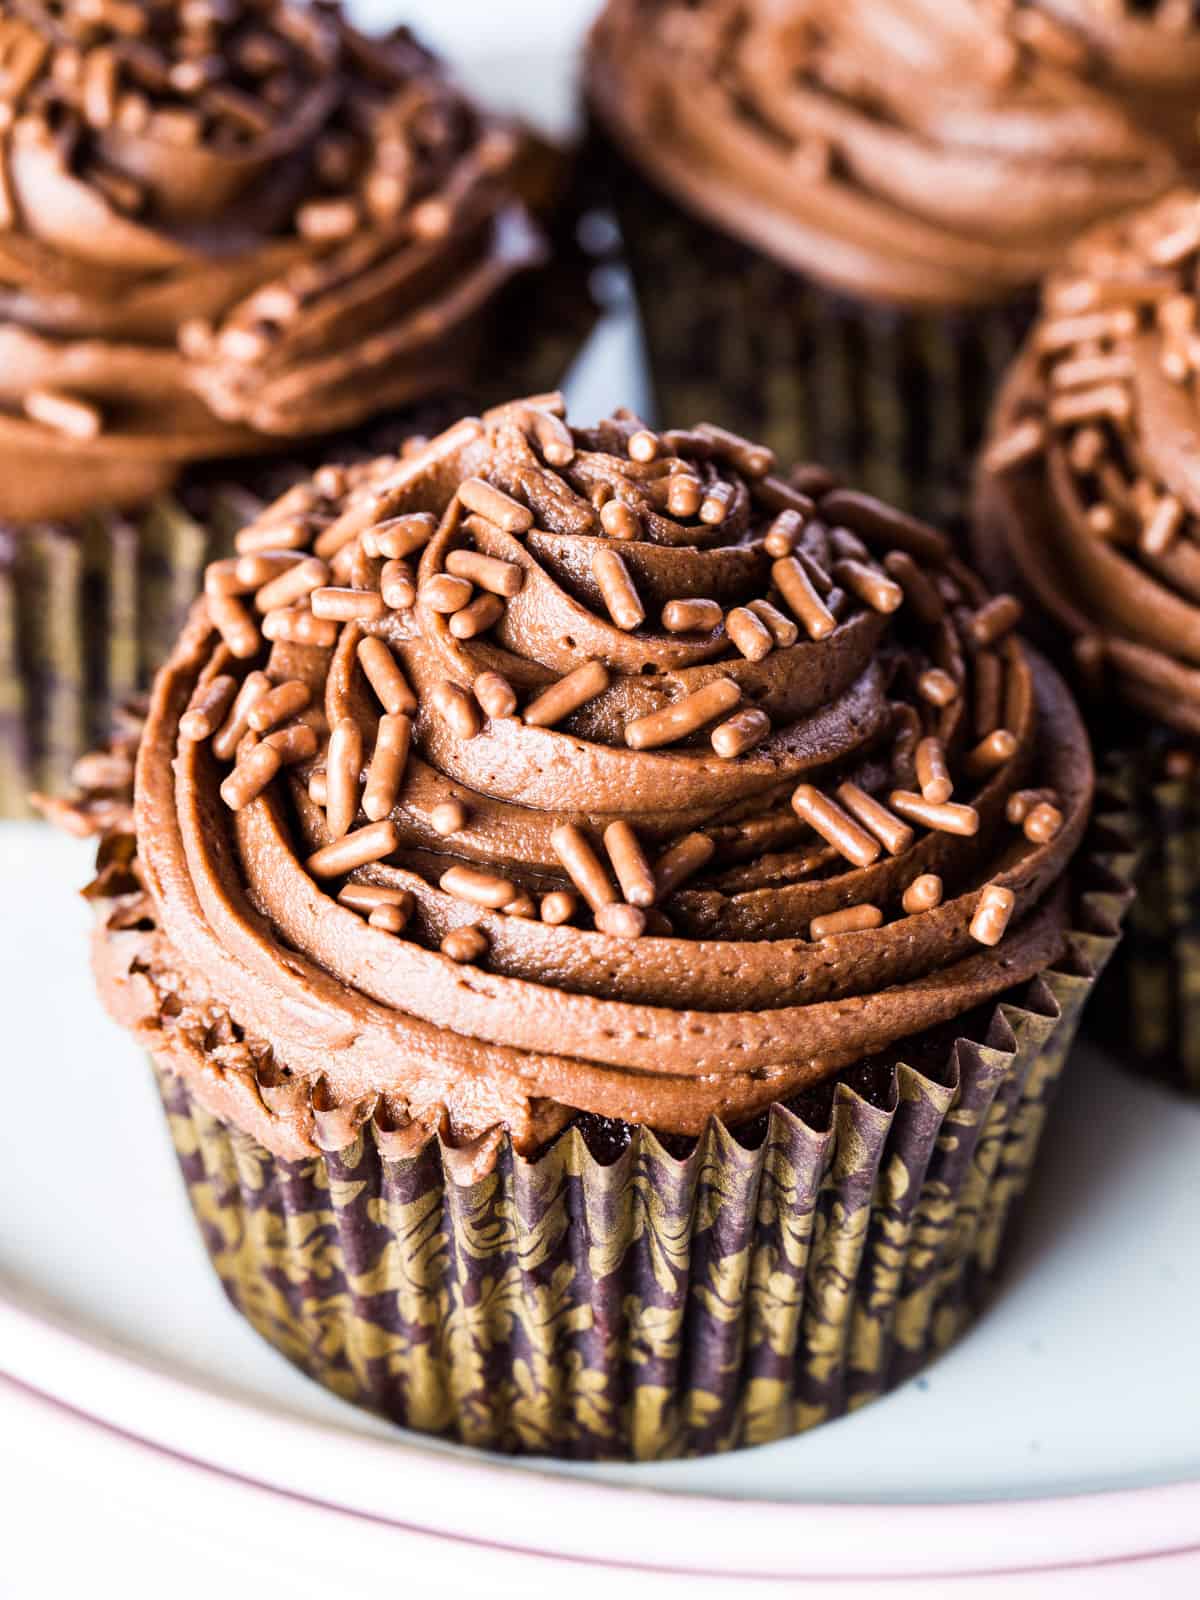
x=1090, y=485
x=558, y=769
x=924, y=152
x=225, y=223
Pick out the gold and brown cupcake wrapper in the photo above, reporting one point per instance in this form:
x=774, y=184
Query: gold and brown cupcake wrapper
x=653, y=1307
x=87, y=613
x=896, y=399
x=1149, y=1005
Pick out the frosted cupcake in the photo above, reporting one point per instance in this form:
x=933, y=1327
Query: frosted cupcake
x=1087, y=500
x=602, y=999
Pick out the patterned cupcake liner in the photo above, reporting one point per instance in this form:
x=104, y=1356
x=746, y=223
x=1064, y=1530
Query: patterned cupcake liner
x=87, y=613
x=656, y=1305
x=1149, y=1002
x=895, y=399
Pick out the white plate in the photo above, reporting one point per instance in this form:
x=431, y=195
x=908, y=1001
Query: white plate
x=1060, y=1433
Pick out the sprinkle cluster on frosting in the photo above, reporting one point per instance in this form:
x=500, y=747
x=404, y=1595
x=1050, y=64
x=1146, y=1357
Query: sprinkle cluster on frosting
x=621, y=485
x=225, y=221
x=1090, y=476
x=554, y=768
x=917, y=152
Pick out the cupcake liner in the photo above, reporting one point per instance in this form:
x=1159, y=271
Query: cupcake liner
x=1149, y=1002
x=87, y=613
x=894, y=398
x=657, y=1305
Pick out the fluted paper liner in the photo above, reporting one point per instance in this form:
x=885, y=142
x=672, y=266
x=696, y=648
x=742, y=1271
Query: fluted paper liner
x=656, y=1306
x=87, y=614
x=1150, y=1000
x=895, y=399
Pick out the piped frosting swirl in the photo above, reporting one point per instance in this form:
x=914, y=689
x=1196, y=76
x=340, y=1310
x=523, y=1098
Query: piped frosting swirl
x=1090, y=485
x=554, y=769
x=221, y=224
x=923, y=152
x=1148, y=53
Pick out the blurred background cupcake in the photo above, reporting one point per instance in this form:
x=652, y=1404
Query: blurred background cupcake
x=1148, y=53
x=836, y=210
x=225, y=229
x=1088, y=500
x=608, y=924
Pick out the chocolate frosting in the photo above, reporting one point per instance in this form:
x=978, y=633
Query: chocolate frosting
x=922, y=152
x=1148, y=53
x=222, y=225
x=246, y=958
x=1090, y=487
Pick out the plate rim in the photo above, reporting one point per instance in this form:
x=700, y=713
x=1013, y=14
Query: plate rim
x=571, y=1515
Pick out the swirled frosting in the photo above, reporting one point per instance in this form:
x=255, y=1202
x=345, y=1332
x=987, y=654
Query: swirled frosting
x=1090, y=485
x=922, y=152
x=221, y=224
x=562, y=769
x=1148, y=53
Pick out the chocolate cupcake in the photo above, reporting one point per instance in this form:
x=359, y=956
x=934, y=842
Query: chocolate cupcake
x=602, y=1004
x=1087, y=499
x=837, y=212
x=223, y=230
